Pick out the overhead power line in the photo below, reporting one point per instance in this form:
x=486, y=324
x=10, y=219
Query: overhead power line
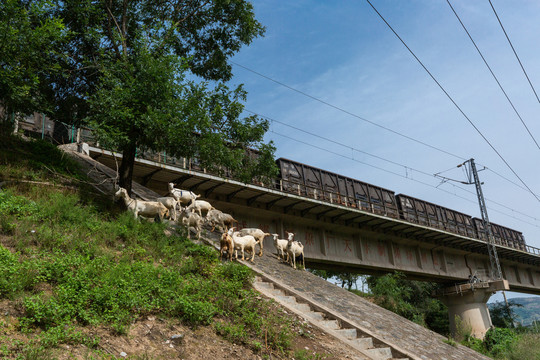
x=405, y=177
x=514, y=50
x=493, y=74
x=377, y=157
x=453, y=102
x=361, y=118
x=348, y=112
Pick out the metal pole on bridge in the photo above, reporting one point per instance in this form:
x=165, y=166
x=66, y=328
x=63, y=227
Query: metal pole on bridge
x=495, y=267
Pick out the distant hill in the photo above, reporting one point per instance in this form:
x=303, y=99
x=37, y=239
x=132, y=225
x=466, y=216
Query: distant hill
x=528, y=312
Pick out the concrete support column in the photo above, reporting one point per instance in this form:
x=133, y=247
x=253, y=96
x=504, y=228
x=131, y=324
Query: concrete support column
x=467, y=303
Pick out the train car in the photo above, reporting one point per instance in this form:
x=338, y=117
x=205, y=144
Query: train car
x=305, y=180
x=429, y=214
x=501, y=234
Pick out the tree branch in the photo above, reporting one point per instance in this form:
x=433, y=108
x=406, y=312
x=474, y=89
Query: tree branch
x=124, y=50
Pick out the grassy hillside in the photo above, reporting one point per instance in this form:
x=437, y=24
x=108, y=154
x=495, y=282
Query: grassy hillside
x=72, y=263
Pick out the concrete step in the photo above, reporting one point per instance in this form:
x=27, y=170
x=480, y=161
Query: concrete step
x=287, y=299
x=264, y=285
x=347, y=333
x=315, y=315
x=277, y=292
x=363, y=343
x=331, y=324
x=302, y=307
x=383, y=353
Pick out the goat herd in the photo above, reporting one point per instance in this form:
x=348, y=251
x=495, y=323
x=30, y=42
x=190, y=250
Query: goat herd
x=191, y=215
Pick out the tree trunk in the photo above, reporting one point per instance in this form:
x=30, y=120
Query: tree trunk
x=126, y=167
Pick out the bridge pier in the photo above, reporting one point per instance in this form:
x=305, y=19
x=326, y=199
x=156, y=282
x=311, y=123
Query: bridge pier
x=467, y=305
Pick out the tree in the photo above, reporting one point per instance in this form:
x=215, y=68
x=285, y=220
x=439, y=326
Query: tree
x=127, y=67
x=504, y=316
x=29, y=41
x=345, y=278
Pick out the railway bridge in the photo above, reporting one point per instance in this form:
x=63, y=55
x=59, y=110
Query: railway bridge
x=341, y=238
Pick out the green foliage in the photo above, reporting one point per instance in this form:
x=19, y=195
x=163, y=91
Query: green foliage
x=504, y=316
x=33, y=160
x=30, y=39
x=526, y=347
x=498, y=341
x=9, y=267
x=73, y=261
x=17, y=206
x=128, y=67
x=305, y=355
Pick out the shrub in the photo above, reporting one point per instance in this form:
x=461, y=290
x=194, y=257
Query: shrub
x=9, y=267
x=526, y=347
x=498, y=340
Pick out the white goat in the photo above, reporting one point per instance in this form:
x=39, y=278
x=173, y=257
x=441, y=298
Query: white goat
x=170, y=203
x=149, y=209
x=188, y=219
x=281, y=247
x=244, y=243
x=199, y=206
x=294, y=249
x=184, y=197
x=258, y=234
x=220, y=219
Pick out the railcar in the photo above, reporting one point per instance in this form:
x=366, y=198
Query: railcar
x=501, y=235
x=425, y=213
x=305, y=180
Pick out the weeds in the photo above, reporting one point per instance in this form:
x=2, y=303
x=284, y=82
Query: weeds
x=72, y=260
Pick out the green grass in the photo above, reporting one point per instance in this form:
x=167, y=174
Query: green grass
x=71, y=259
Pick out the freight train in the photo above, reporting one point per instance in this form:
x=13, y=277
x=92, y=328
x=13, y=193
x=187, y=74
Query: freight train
x=320, y=184
x=309, y=181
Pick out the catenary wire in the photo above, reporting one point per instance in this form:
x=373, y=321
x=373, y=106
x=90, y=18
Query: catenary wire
x=400, y=175
x=345, y=111
x=453, y=102
x=514, y=50
x=348, y=112
x=493, y=74
x=380, y=158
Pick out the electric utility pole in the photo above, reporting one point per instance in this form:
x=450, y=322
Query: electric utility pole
x=495, y=267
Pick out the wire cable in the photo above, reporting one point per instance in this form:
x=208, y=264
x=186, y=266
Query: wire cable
x=348, y=112
x=493, y=74
x=406, y=177
x=377, y=157
x=514, y=50
x=453, y=102
x=345, y=111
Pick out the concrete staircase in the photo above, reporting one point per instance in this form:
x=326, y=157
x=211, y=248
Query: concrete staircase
x=363, y=343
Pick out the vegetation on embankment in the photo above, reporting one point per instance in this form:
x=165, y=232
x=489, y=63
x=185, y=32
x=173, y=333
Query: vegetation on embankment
x=71, y=259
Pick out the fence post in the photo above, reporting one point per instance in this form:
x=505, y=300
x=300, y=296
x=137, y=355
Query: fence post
x=42, y=126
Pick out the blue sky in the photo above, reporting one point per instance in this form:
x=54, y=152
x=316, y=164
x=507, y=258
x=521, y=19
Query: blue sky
x=343, y=54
